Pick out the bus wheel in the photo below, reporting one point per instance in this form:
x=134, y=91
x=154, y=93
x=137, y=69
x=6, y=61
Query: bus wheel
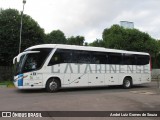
x=127, y=83
x=53, y=85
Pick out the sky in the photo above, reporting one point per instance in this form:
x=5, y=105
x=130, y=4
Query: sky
x=90, y=17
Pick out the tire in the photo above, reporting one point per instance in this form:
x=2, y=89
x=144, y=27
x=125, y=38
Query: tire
x=53, y=85
x=127, y=83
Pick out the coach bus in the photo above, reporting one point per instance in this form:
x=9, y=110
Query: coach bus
x=56, y=66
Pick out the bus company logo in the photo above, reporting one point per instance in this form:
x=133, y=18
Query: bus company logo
x=6, y=114
x=99, y=68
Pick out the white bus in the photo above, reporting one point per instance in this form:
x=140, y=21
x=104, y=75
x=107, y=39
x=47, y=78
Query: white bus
x=55, y=66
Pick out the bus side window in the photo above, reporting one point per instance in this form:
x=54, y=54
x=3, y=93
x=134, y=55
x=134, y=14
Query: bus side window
x=61, y=56
x=142, y=59
x=129, y=59
x=99, y=58
x=115, y=58
x=83, y=57
x=55, y=58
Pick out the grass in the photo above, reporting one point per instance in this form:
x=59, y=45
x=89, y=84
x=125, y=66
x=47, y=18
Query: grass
x=8, y=83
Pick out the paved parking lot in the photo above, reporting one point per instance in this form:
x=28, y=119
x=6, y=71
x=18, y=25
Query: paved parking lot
x=139, y=98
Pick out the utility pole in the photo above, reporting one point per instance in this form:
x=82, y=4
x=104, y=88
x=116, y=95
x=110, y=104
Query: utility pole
x=20, y=36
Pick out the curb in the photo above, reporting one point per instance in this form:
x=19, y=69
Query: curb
x=3, y=85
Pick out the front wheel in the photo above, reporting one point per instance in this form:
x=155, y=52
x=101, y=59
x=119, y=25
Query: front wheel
x=53, y=85
x=127, y=83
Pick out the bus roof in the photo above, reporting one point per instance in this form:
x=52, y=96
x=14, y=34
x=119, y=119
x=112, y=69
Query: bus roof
x=87, y=48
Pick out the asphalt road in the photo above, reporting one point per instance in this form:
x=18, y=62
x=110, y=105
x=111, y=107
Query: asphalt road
x=139, y=98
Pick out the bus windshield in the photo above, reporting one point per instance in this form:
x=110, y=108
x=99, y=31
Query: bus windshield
x=32, y=61
x=18, y=65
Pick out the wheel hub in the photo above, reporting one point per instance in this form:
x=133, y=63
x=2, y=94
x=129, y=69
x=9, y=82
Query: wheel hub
x=53, y=85
x=127, y=83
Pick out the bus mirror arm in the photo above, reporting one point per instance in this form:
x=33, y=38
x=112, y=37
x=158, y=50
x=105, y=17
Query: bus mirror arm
x=14, y=59
x=19, y=56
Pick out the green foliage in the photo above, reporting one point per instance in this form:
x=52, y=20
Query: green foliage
x=7, y=83
x=129, y=39
x=78, y=40
x=8, y=35
x=97, y=43
x=115, y=37
x=86, y=44
x=118, y=37
x=56, y=37
x=156, y=56
x=32, y=34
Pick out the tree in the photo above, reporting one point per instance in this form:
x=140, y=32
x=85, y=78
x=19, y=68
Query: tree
x=129, y=39
x=56, y=37
x=156, y=56
x=32, y=34
x=97, y=43
x=86, y=44
x=78, y=40
x=113, y=37
x=118, y=37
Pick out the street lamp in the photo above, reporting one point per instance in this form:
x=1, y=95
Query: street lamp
x=20, y=34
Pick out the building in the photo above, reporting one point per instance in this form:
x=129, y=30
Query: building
x=127, y=24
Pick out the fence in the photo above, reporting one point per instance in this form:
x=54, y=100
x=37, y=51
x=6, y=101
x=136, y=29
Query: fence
x=155, y=73
x=6, y=73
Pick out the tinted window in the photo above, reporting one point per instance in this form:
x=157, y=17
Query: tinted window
x=82, y=57
x=129, y=59
x=142, y=59
x=61, y=56
x=115, y=58
x=99, y=58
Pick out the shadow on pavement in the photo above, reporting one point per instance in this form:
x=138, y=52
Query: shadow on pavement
x=86, y=89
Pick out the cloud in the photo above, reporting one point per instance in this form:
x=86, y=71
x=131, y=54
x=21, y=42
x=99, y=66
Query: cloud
x=90, y=17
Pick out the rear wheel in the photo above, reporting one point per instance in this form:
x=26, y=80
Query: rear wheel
x=127, y=83
x=53, y=85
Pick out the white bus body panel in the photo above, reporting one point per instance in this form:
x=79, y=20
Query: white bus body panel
x=78, y=75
